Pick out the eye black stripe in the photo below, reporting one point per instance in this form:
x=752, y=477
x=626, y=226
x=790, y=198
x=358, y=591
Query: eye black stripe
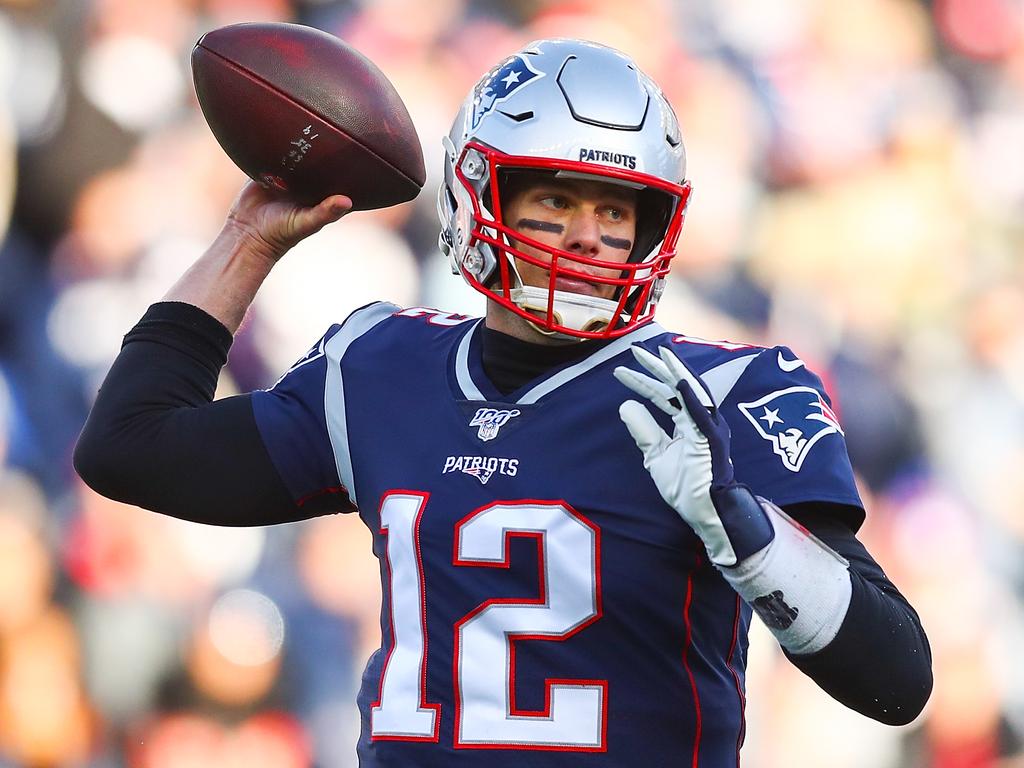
x=540, y=226
x=617, y=242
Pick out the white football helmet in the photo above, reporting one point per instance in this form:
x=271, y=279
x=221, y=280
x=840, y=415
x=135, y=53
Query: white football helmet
x=574, y=109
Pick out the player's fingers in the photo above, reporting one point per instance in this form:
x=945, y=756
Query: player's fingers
x=656, y=391
x=313, y=219
x=331, y=208
x=697, y=416
x=649, y=437
x=679, y=372
x=338, y=203
x=705, y=427
x=654, y=364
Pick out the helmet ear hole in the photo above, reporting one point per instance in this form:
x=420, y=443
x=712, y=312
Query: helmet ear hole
x=453, y=202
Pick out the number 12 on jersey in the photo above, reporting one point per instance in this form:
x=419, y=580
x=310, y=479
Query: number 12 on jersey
x=574, y=716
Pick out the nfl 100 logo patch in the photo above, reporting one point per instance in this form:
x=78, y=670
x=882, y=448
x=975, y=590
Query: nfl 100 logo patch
x=490, y=420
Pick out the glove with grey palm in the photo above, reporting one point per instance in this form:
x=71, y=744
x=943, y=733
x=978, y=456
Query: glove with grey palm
x=799, y=587
x=692, y=468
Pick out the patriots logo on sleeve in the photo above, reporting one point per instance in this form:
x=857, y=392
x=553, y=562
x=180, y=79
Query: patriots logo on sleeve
x=793, y=420
x=511, y=75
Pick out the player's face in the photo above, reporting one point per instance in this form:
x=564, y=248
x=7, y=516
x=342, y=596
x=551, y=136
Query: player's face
x=590, y=218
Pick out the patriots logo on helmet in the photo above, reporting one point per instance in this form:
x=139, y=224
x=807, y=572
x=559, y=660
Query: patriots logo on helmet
x=793, y=420
x=507, y=78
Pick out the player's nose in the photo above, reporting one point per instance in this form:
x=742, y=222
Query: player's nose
x=583, y=234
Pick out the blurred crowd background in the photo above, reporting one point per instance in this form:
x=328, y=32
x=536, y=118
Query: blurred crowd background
x=858, y=174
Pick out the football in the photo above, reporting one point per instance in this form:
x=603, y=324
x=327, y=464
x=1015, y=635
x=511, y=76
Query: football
x=299, y=110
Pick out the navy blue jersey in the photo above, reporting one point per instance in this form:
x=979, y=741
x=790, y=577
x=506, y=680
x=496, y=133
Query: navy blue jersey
x=543, y=606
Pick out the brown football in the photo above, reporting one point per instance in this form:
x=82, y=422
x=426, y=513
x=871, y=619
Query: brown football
x=297, y=109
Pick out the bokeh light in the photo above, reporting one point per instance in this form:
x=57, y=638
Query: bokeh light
x=858, y=176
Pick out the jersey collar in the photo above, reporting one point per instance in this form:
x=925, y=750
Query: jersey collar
x=472, y=384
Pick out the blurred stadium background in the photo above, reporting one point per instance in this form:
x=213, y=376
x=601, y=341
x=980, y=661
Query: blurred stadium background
x=858, y=170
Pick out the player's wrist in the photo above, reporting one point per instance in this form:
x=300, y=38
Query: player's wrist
x=744, y=520
x=799, y=587
x=224, y=281
x=246, y=243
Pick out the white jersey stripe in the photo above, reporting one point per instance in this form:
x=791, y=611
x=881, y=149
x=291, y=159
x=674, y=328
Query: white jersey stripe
x=722, y=378
x=358, y=323
x=469, y=388
x=621, y=344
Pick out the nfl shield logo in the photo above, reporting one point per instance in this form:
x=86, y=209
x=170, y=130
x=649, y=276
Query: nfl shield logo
x=490, y=420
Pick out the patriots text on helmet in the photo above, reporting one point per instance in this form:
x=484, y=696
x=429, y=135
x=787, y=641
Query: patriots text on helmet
x=588, y=155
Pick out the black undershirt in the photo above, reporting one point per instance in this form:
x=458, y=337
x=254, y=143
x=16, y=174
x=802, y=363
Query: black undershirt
x=155, y=438
x=510, y=363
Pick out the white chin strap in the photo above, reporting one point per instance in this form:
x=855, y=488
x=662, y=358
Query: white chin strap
x=572, y=310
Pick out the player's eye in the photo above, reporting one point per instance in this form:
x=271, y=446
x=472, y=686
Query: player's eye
x=615, y=214
x=554, y=202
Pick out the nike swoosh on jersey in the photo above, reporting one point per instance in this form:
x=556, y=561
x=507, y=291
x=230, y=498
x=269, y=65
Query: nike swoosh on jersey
x=789, y=365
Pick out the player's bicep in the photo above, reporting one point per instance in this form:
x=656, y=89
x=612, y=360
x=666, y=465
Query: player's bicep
x=208, y=464
x=205, y=463
x=154, y=437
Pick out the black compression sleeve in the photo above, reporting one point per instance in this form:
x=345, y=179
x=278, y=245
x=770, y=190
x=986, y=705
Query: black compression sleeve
x=879, y=664
x=155, y=437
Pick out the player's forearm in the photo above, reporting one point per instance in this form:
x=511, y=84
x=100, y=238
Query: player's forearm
x=799, y=587
x=223, y=282
x=879, y=662
x=837, y=616
x=260, y=228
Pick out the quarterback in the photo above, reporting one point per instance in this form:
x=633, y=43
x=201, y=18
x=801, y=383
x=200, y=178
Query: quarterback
x=579, y=524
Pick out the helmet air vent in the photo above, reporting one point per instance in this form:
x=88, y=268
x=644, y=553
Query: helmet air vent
x=518, y=117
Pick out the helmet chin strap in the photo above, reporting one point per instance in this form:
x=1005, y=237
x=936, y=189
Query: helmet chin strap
x=572, y=310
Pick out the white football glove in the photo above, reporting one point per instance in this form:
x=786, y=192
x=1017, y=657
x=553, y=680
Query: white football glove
x=692, y=468
x=797, y=585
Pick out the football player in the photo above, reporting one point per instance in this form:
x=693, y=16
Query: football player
x=576, y=511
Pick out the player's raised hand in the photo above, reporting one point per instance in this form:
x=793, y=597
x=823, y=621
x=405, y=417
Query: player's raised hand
x=260, y=228
x=274, y=224
x=691, y=468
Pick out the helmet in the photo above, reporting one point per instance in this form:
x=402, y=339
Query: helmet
x=574, y=109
